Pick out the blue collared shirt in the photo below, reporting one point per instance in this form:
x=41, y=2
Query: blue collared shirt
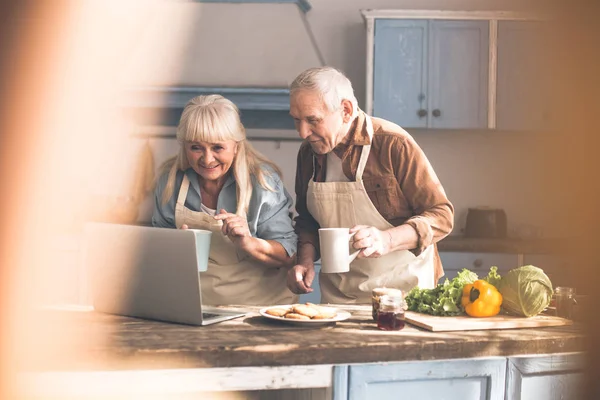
x=268, y=212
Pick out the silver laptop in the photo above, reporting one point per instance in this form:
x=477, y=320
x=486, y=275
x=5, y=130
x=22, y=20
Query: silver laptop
x=150, y=273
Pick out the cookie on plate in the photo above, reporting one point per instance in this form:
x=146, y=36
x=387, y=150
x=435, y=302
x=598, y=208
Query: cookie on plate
x=293, y=315
x=325, y=314
x=277, y=311
x=305, y=310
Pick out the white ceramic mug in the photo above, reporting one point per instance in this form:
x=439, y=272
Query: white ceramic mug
x=202, y=248
x=335, y=250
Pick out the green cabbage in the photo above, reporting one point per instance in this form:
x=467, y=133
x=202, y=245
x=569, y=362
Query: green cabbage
x=526, y=291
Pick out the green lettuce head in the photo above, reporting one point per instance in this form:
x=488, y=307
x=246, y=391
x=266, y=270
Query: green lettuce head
x=526, y=291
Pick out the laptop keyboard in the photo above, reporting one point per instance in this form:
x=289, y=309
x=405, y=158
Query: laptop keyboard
x=206, y=315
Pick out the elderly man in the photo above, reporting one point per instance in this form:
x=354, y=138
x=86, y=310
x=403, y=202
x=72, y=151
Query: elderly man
x=367, y=174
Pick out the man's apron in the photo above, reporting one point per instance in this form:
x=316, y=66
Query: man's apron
x=232, y=278
x=346, y=204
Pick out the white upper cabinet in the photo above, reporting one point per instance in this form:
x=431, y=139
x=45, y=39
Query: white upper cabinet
x=400, y=71
x=458, y=74
x=456, y=70
x=431, y=74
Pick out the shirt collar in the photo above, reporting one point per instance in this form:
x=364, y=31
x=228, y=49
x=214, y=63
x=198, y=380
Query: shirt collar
x=358, y=135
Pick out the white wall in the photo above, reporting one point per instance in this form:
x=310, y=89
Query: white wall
x=484, y=168
x=210, y=44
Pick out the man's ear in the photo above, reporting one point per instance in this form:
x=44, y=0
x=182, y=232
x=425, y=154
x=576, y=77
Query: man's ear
x=347, y=110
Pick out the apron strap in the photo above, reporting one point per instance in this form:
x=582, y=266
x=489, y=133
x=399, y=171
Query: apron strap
x=364, y=156
x=183, y=190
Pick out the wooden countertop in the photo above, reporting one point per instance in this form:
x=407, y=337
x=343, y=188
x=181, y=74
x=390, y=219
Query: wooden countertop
x=508, y=245
x=98, y=341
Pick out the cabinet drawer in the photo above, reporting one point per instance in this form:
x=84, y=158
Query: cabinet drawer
x=480, y=263
x=475, y=379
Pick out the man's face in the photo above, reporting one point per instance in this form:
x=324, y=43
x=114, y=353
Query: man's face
x=320, y=127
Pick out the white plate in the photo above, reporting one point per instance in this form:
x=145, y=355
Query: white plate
x=340, y=316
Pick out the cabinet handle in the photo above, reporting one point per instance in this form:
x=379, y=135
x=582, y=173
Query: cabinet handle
x=422, y=113
x=436, y=113
x=478, y=263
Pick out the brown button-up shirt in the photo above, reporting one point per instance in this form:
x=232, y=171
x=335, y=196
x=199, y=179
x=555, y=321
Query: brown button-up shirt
x=398, y=178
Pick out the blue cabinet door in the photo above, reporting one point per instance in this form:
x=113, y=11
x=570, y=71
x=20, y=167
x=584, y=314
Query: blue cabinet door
x=431, y=74
x=549, y=377
x=466, y=379
x=523, y=89
x=400, y=71
x=458, y=74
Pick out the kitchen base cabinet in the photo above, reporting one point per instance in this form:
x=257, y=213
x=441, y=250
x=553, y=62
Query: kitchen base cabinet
x=544, y=377
x=450, y=379
x=548, y=377
x=555, y=377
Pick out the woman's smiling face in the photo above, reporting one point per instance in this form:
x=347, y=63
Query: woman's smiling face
x=211, y=161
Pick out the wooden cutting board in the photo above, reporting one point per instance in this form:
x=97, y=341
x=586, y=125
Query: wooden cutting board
x=466, y=323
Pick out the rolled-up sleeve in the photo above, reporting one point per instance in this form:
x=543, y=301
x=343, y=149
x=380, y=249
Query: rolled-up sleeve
x=163, y=215
x=274, y=220
x=433, y=213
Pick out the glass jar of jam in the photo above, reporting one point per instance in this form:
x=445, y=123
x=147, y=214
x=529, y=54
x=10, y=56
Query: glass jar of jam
x=376, y=296
x=565, y=300
x=390, y=316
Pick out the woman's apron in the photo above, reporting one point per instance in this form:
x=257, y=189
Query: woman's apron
x=346, y=204
x=231, y=277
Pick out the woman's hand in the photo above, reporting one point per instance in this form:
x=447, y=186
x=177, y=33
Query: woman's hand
x=234, y=226
x=270, y=253
x=373, y=242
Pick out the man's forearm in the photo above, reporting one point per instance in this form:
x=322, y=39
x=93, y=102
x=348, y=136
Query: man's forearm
x=307, y=253
x=403, y=237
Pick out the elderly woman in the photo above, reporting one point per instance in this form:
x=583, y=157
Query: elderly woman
x=219, y=182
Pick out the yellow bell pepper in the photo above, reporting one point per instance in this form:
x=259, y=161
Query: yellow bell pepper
x=481, y=299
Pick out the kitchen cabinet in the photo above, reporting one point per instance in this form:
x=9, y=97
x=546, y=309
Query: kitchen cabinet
x=558, y=376
x=430, y=73
x=458, y=69
x=523, y=88
x=555, y=376
x=450, y=379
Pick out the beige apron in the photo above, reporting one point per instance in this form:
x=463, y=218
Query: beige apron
x=232, y=278
x=346, y=204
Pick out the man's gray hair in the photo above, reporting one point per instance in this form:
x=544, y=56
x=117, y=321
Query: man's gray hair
x=331, y=84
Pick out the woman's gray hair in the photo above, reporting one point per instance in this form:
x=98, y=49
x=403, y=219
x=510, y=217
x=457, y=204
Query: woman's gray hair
x=331, y=84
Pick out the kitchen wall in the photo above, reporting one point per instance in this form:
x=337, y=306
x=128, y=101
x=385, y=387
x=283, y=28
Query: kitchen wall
x=477, y=168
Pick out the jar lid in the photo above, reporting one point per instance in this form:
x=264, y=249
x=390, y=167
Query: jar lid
x=387, y=291
x=564, y=290
x=391, y=300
